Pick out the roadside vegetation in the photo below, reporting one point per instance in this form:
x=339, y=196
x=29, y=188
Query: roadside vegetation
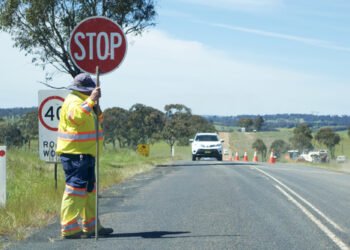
x=243, y=142
x=32, y=200
x=247, y=142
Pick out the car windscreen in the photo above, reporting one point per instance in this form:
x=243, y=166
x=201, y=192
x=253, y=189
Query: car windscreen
x=206, y=138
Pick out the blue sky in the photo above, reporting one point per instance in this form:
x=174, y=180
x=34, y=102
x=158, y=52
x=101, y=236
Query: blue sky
x=224, y=57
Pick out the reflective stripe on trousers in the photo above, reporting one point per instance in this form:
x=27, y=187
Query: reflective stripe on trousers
x=74, y=207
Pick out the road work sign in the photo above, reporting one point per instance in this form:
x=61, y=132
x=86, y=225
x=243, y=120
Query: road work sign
x=50, y=103
x=143, y=149
x=2, y=176
x=97, y=41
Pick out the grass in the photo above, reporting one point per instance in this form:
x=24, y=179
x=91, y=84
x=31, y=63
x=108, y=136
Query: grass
x=242, y=142
x=344, y=146
x=33, y=202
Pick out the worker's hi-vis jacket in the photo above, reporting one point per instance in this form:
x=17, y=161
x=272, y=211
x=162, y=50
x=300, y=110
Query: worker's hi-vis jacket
x=76, y=130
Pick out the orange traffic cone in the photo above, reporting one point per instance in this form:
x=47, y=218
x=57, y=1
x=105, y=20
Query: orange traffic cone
x=255, y=158
x=236, y=157
x=245, y=157
x=272, y=159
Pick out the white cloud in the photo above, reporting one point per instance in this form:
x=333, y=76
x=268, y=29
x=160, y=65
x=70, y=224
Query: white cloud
x=19, y=77
x=306, y=40
x=238, y=4
x=160, y=70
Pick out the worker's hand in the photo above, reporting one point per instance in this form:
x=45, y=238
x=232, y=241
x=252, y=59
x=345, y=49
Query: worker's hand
x=95, y=94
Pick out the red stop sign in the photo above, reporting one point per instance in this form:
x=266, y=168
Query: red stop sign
x=97, y=41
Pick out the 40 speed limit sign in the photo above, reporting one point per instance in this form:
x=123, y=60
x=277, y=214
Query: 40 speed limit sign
x=50, y=103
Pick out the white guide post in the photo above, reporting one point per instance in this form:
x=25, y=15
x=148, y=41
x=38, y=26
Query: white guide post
x=2, y=176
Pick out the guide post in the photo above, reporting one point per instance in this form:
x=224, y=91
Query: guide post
x=2, y=176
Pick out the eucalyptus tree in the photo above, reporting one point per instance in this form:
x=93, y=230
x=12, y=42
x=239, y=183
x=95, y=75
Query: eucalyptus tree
x=302, y=137
x=42, y=28
x=177, y=124
x=181, y=124
x=28, y=124
x=279, y=147
x=329, y=138
x=246, y=123
x=144, y=124
x=260, y=147
x=258, y=123
x=114, y=126
x=11, y=135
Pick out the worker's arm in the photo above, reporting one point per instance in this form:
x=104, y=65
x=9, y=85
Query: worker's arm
x=78, y=113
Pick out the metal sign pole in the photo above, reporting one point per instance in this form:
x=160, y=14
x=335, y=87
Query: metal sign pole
x=56, y=176
x=79, y=44
x=97, y=165
x=56, y=162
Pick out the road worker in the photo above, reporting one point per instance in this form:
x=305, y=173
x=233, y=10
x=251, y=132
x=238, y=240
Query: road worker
x=76, y=147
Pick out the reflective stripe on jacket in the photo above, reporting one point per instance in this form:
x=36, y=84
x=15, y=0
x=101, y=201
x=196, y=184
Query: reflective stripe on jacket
x=76, y=130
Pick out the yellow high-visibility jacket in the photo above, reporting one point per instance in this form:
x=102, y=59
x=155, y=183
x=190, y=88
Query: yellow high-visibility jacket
x=76, y=130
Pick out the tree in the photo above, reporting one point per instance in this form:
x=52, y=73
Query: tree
x=302, y=137
x=11, y=135
x=260, y=147
x=329, y=138
x=258, y=123
x=144, y=124
x=114, y=126
x=246, y=123
x=42, y=27
x=177, y=124
x=279, y=147
x=28, y=124
x=200, y=124
x=172, y=109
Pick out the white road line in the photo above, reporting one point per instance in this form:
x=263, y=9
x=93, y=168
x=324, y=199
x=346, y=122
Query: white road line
x=335, y=225
x=318, y=223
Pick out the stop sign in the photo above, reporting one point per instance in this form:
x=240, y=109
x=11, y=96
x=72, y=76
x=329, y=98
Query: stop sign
x=97, y=41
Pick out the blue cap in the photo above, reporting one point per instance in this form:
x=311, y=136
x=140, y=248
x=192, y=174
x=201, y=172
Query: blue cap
x=83, y=83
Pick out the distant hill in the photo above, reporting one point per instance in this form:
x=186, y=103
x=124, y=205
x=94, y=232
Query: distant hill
x=272, y=122
x=15, y=112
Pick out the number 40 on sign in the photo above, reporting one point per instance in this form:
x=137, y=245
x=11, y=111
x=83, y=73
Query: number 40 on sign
x=50, y=103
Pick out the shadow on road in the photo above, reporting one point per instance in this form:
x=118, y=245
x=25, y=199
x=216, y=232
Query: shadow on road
x=152, y=234
x=207, y=163
x=162, y=234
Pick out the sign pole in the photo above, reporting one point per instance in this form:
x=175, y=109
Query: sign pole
x=56, y=173
x=55, y=176
x=97, y=154
x=98, y=54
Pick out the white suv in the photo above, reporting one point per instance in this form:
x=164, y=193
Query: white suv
x=206, y=145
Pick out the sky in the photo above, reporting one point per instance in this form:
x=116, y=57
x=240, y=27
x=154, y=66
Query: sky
x=223, y=57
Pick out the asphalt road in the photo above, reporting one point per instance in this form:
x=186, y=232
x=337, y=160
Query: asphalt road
x=213, y=205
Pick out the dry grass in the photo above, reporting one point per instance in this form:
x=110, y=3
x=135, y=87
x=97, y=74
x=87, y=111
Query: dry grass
x=242, y=142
